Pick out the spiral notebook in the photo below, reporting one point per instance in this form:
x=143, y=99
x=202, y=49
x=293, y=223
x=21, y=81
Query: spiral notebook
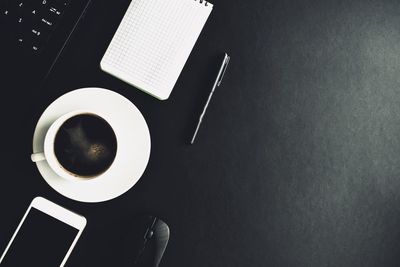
x=154, y=41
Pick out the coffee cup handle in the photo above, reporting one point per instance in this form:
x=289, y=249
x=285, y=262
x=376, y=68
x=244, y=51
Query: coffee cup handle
x=36, y=157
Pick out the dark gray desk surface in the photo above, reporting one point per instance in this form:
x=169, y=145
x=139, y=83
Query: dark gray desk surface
x=297, y=162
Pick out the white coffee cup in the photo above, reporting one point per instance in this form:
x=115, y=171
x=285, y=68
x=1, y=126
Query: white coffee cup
x=49, y=155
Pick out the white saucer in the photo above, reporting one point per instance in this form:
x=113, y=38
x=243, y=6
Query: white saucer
x=133, y=144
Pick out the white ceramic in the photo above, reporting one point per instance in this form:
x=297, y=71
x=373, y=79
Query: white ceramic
x=49, y=155
x=133, y=140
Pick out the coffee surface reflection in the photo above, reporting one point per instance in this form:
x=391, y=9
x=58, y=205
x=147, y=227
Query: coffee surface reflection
x=85, y=145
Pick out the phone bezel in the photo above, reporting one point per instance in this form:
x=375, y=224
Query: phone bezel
x=57, y=212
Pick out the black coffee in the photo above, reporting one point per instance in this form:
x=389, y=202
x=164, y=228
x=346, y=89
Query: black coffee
x=85, y=145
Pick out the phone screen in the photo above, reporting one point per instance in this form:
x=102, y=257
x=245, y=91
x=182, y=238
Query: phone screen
x=41, y=241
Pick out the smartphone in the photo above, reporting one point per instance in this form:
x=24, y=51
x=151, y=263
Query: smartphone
x=45, y=236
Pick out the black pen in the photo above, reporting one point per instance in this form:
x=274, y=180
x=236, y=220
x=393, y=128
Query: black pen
x=217, y=83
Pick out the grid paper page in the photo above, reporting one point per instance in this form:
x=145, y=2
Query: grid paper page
x=154, y=41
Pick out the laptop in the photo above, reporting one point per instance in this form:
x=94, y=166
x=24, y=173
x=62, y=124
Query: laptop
x=34, y=33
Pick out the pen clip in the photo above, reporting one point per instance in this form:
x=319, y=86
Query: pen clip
x=225, y=66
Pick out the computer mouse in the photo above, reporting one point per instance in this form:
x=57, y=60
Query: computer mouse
x=145, y=242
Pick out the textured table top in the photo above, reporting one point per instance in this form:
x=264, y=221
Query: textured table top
x=297, y=162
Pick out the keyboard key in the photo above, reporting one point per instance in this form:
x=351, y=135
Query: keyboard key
x=6, y=13
x=20, y=4
x=35, y=48
x=55, y=10
x=6, y=17
x=21, y=39
x=36, y=31
x=44, y=2
x=34, y=12
x=30, y=23
x=47, y=22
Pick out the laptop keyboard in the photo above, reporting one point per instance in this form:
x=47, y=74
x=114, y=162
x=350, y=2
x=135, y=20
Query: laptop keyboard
x=30, y=23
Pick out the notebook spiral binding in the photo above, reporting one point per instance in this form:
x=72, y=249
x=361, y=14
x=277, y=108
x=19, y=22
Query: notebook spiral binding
x=202, y=1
